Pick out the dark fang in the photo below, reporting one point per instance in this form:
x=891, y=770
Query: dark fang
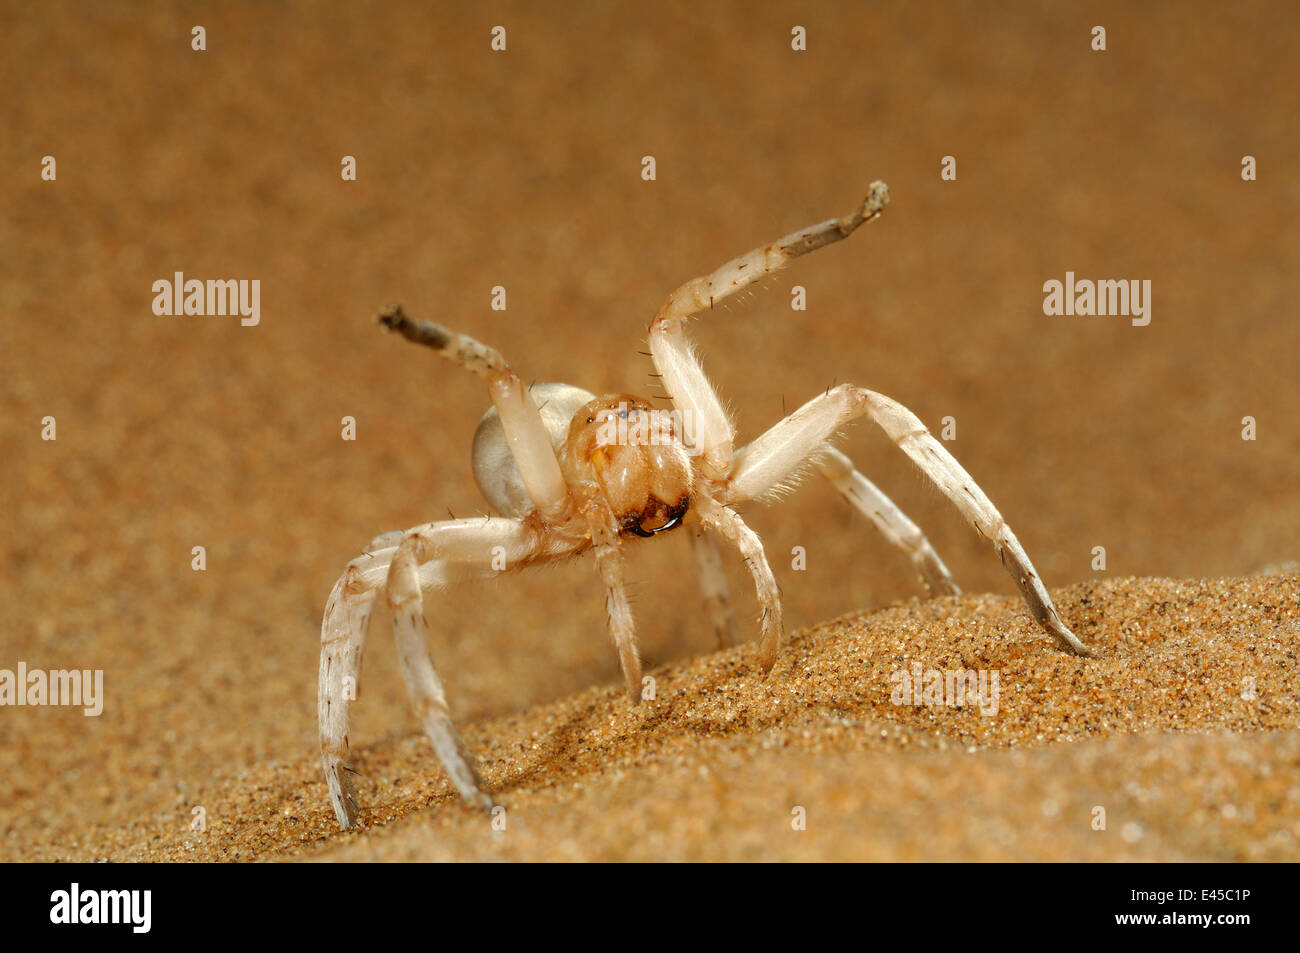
x=647, y=533
x=674, y=519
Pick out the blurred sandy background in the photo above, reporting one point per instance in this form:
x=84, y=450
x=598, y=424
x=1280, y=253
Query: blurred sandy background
x=522, y=169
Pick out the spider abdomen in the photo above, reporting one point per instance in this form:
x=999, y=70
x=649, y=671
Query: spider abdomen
x=495, y=471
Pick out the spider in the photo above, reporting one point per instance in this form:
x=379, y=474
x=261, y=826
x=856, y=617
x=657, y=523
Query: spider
x=571, y=473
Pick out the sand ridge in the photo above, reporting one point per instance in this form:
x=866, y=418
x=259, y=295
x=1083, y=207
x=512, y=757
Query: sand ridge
x=1163, y=732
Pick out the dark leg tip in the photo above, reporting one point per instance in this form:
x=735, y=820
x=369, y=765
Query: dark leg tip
x=393, y=317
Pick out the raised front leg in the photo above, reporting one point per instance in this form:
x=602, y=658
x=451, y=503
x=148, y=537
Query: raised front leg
x=529, y=442
x=676, y=363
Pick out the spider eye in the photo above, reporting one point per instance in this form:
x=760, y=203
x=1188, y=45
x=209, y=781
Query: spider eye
x=591, y=420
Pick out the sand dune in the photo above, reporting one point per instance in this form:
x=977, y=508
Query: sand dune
x=1163, y=732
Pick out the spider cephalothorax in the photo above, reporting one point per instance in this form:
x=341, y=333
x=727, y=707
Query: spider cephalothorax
x=634, y=454
x=570, y=472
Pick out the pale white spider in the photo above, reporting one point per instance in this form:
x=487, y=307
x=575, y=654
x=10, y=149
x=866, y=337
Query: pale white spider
x=570, y=472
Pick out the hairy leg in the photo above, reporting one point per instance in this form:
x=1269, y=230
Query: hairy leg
x=713, y=584
x=892, y=522
x=451, y=550
x=732, y=528
x=674, y=359
x=787, y=446
x=526, y=434
x=618, y=613
x=343, y=638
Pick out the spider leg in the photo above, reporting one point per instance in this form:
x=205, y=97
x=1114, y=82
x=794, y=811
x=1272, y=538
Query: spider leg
x=785, y=447
x=343, y=637
x=618, y=613
x=710, y=427
x=733, y=529
x=529, y=442
x=713, y=584
x=892, y=522
x=428, y=556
